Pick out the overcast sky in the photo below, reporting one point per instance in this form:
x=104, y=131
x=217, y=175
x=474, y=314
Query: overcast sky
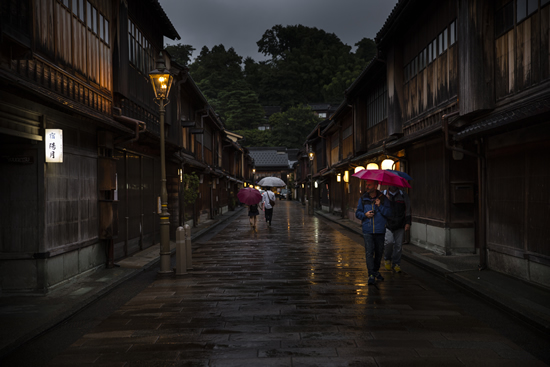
x=241, y=23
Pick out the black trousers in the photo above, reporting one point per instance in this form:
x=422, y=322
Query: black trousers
x=268, y=215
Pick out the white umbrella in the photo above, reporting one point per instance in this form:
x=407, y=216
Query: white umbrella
x=272, y=182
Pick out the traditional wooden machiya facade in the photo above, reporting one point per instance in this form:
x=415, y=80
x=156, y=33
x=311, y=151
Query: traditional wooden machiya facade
x=468, y=99
x=67, y=65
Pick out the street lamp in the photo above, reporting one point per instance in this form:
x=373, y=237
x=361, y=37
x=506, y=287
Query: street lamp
x=162, y=81
x=311, y=157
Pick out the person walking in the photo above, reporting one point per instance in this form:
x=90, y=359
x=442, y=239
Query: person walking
x=253, y=213
x=268, y=201
x=397, y=223
x=373, y=209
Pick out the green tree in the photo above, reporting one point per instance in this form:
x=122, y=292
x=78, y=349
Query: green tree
x=239, y=107
x=366, y=50
x=304, y=60
x=290, y=129
x=255, y=138
x=219, y=75
x=181, y=53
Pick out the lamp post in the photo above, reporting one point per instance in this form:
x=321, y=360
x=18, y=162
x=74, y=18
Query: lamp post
x=311, y=157
x=162, y=81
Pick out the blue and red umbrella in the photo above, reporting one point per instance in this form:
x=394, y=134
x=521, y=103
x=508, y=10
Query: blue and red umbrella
x=384, y=177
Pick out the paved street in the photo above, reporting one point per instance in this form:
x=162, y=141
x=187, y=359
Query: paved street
x=293, y=294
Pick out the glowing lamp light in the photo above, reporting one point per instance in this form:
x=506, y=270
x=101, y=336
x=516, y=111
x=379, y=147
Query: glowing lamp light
x=387, y=164
x=339, y=177
x=358, y=168
x=161, y=79
x=302, y=186
x=316, y=185
x=346, y=176
x=372, y=166
x=54, y=146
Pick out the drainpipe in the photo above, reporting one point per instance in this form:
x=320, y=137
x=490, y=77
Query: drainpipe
x=481, y=181
x=117, y=115
x=202, y=135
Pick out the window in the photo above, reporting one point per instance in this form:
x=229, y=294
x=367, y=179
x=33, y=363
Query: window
x=423, y=56
x=347, y=132
x=452, y=33
x=504, y=19
x=323, y=115
x=89, y=13
x=140, y=50
x=377, y=104
x=440, y=44
x=334, y=141
x=81, y=10
x=521, y=11
x=445, y=39
x=94, y=19
x=525, y=8
x=106, y=31
x=101, y=25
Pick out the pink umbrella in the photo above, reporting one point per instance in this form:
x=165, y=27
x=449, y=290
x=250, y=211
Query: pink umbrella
x=384, y=177
x=249, y=196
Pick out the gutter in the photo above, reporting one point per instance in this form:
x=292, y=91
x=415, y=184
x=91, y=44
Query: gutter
x=117, y=115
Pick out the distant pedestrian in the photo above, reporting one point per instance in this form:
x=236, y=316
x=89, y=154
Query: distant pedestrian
x=268, y=202
x=397, y=223
x=372, y=210
x=253, y=213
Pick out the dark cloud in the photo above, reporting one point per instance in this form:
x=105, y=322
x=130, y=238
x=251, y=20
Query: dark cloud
x=241, y=23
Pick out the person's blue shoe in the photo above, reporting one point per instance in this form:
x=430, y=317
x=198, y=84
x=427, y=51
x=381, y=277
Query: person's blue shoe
x=379, y=277
x=371, y=279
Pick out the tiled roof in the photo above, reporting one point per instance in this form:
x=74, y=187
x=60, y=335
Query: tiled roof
x=269, y=157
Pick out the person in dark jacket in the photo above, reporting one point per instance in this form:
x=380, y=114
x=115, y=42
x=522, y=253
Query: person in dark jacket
x=373, y=209
x=397, y=223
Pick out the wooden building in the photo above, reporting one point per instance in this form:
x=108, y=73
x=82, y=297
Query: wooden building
x=82, y=67
x=69, y=65
x=459, y=98
x=470, y=94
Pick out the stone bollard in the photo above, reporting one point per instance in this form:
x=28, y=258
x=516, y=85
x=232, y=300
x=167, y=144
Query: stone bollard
x=181, y=252
x=189, y=248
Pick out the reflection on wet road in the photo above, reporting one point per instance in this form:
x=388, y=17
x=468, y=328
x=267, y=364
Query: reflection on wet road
x=293, y=294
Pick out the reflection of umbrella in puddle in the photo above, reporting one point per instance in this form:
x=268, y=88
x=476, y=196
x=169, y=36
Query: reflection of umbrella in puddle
x=249, y=196
x=271, y=182
x=384, y=177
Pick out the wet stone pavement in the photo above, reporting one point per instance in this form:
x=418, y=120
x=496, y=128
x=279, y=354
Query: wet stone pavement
x=293, y=294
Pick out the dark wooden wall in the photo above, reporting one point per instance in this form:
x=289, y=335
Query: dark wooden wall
x=518, y=199
x=427, y=167
x=521, y=54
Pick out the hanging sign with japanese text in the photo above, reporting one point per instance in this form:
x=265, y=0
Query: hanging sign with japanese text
x=54, y=146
